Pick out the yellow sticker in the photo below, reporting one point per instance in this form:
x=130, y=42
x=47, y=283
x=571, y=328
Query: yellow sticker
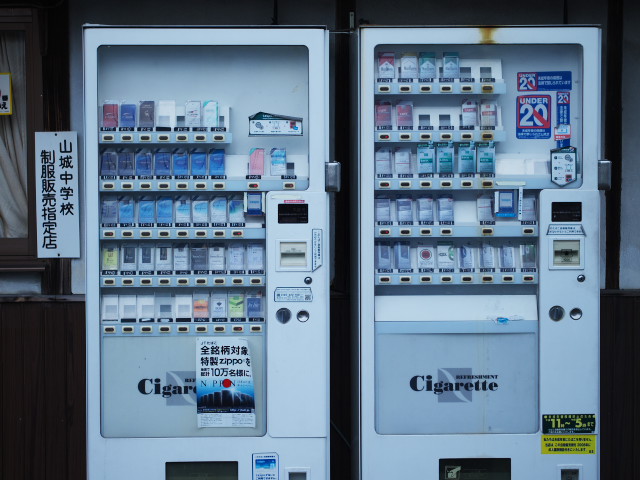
x=569, y=444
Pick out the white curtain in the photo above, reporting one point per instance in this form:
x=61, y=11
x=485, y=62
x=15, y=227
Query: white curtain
x=13, y=141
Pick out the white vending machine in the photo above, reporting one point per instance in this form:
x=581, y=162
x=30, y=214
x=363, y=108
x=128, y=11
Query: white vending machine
x=207, y=253
x=478, y=253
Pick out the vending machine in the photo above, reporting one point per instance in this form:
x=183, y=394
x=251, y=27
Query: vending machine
x=478, y=253
x=207, y=253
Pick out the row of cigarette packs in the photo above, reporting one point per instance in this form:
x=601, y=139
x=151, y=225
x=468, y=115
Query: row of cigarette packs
x=198, y=307
x=423, y=65
x=472, y=114
x=179, y=211
x=146, y=164
x=161, y=113
x=439, y=157
x=445, y=256
x=406, y=210
x=183, y=258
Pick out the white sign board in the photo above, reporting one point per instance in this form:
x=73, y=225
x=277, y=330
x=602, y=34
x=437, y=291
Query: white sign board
x=6, y=100
x=57, y=195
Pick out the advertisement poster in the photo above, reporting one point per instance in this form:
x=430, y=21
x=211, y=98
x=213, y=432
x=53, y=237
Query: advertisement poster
x=226, y=395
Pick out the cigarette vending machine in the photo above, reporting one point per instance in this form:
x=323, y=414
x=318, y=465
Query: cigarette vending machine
x=478, y=253
x=207, y=253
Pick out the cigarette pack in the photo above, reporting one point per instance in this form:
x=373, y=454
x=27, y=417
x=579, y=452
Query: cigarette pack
x=164, y=257
x=445, y=208
x=383, y=210
x=450, y=65
x=166, y=114
x=146, y=211
x=486, y=155
x=181, y=164
x=128, y=115
x=444, y=157
x=528, y=256
x=484, y=205
x=466, y=258
x=467, y=157
x=507, y=257
x=425, y=209
x=505, y=204
x=199, y=258
x=404, y=209
x=216, y=162
x=426, y=155
x=236, y=210
x=126, y=211
x=254, y=203
x=164, y=211
x=108, y=163
x=469, y=113
x=255, y=305
x=110, y=115
x=487, y=256
x=236, y=305
x=235, y=257
x=192, y=113
x=200, y=211
x=128, y=258
x=529, y=209
x=109, y=211
x=217, y=258
x=184, y=308
x=256, y=161
x=210, y=113
x=164, y=310
x=428, y=65
x=146, y=308
x=127, y=305
x=386, y=65
x=409, y=65
x=219, y=305
x=278, y=161
x=426, y=256
x=181, y=259
x=146, y=114
x=402, y=160
x=109, y=308
x=488, y=114
x=144, y=164
x=162, y=164
x=383, y=161
x=126, y=166
x=402, y=254
x=110, y=258
x=446, y=255
x=200, y=307
x=219, y=210
x=404, y=115
x=383, y=116
x=146, y=264
x=383, y=256
x=255, y=257
x=198, y=164
x=182, y=211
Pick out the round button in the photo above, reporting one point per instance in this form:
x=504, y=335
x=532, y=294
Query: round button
x=308, y=280
x=303, y=316
x=581, y=278
x=556, y=313
x=575, y=313
x=283, y=315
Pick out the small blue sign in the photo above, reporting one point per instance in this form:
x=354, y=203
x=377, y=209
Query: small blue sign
x=563, y=109
x=544, y=81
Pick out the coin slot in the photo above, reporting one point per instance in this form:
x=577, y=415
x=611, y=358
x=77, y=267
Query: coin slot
x=163, y=138
x=487, y=184
x=405, y=279
x=425, y=231
x=405, y=184
x=165, y=329
x=528, y=231
x=127, y=281
x=237, y=281
x=405, y=88
x=405, y=136
x=127, y=233
x=145, y=186
x=425, y=279
x=466, y=136
x=163, y=186
x=467, y=279
x=201, y=233
x=219, y=329
x=218, y=281
x=466, y=88
x=218, y=233
x=146, y=329
x=127, y=185
x=487, y=231
x=164, y=233
x=218, y=138
x=108, y=137
x=181, y=138
x=446, y=89
x=425, y=184
x=487, y=136
x=487, y=279
x=487, y=88
x=405, y=231
x=218, y=186
x=200, y=138
x=467, y=184
x=109, y=281
x=256, y=328
x=145, y=234
x=127, y=329
x=201, y=281
x=183, y=281
x=182, y=186
x=164, y=281
x=145, y=281
x=182, y=233
x=507, y=278
x=384, y=89
x=201, y=329
x=446, y=184
x=426, y=136
x=385, y=279
x=109, y=330
x=126, y=138
x=201, y=186
x=183, y=329
x=446, y=231
x=256, y=281
x=446, y=279
x=145, y=138
x=425, y=89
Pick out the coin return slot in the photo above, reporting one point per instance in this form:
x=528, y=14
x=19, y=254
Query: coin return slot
x=146, y=329
x=487, y=279
x=164, y=281
x=126, y=138
x=384, y=184
x=163, y=138
x=127, y=281
x=487, y=184
x=467, y=279
x=238, y=329
x=384, y=136
x=425, y=279
x=405, y=231
x=109, y=281
x=425, y=89
x=218, y=281
x=145, y=186
x=256, y=281
x=183, y=233
x=218, y=233
x=127, y=185
x=446, y=88
x=201, y=233
x=487, y=88
x=219, y=329
x=446, y=279
x=127, y=233
x=446, y=184
x=527, y=278
x=145, y=281
x=384, y=88
x=127, y=329
x=109, y=329
x=405, y=279
x=385, y=279
x=145, y=138
x=256, y=328
x=165, y=329
x=466, y=88
x=201, y=281
x=528, y=231
x=487, y=231
x=289, y=185
x=405, y=88
x=201, y=138
x=425, y=231
x=183, y=281
x=201, y=186
x=466, y=136
x=218, y=186
x=425, y=136
x=507, y=278
x=108, y=233
x=425, y=184
x=218, y=138
x=405, y=136
x=201, y=329
x=446, y=231
x=487, y=136
x=145, y=234
x=182, y=186
x=237, y=281
x=181, y=138
x=163, y=186
x=183, y=329
x=237, y=233
x=108, y=138
x=467, y=184
x=405, y=184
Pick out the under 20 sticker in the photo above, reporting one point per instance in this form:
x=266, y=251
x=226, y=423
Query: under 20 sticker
x=568, y=444
x=533, y=117
x=544, y=81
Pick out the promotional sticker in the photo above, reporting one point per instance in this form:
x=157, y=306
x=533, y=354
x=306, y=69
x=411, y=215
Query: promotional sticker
x=543, y=81
x=533, y=117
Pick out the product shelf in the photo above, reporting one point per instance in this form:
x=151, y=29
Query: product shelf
x=513, y=229
x=457, y=278
x=232, y=184
x=457, y=86
x=187, y=233
x=187, y=280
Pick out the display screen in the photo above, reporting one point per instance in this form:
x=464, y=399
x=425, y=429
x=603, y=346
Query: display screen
x=293, y=213
x=202, y=471
x=566, y=211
